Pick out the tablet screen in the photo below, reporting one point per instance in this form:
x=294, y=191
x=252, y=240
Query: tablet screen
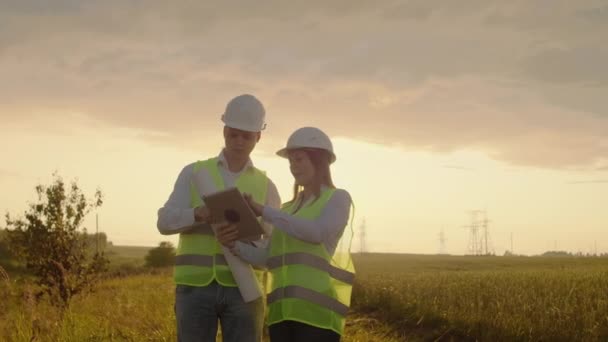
x=230, y=205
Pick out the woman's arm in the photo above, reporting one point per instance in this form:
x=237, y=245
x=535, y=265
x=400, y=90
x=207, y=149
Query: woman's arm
x=327, y=228
x=256, y=256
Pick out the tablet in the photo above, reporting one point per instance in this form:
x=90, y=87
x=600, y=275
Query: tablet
x=231, y=206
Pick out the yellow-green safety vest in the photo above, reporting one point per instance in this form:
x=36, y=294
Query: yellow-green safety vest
x=306, y=285
x=199, y=259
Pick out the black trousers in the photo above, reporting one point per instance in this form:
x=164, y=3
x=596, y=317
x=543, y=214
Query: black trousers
x=292, y=331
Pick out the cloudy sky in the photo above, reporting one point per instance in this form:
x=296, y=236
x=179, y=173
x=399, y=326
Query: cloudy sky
x=436, y=108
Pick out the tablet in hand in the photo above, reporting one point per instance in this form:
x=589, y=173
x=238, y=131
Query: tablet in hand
x=230, y=205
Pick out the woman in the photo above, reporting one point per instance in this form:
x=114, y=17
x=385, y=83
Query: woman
x=311, y=285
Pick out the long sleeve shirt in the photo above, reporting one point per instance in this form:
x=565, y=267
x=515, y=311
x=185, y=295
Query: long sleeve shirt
x=326, y=229
x=177, y=215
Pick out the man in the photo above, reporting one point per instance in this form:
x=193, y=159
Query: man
x=205, y=288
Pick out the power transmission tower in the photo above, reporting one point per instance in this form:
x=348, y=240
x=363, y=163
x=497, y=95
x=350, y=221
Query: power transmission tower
x=362, y=237
x=486, y=234
x=442, y=241
x=473, y=247
x=595, y=248
x=479, y=234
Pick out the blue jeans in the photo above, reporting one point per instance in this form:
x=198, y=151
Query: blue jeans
x=198, y=310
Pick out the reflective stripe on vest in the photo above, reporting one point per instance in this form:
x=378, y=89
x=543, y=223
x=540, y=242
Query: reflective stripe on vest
x=199, y=260
x=312, y=261
x=309, y=295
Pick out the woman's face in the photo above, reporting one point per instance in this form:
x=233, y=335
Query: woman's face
x=301, y=167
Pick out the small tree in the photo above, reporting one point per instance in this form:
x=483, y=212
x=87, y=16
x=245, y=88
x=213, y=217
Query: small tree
x=4, y=251
x=48, y=239
x=161, y=256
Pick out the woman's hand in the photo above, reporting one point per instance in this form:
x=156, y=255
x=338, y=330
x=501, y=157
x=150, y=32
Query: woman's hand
x=255, y=206
x=226, y=234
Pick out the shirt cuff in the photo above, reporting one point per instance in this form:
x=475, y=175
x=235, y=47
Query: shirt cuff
x=268, y=213
x=237, y=248
x=187, y=218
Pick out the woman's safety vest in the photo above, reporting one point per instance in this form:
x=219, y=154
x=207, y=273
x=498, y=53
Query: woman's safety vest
x=307, y=285
x=199, y=258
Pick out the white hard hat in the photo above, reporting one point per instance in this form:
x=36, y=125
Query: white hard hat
x=245, y=112
x=308, y=137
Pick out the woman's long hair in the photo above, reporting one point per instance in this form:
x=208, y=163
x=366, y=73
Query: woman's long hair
x=320, y=160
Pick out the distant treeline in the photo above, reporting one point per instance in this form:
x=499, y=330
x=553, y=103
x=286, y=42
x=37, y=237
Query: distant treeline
x=92, y=241
x=569, y=254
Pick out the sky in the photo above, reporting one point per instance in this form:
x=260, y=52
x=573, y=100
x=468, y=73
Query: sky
x=435, y=108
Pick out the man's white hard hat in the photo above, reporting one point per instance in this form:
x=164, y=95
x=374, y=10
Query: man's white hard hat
x=308, y=137
x=245, y=112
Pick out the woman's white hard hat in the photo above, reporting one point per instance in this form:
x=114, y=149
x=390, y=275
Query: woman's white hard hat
x=308, y=137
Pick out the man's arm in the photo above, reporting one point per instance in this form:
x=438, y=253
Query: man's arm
x=177, y=215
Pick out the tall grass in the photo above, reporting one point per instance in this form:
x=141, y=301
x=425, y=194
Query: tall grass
x=489, y=299
x=138, y=308
x=396, y=297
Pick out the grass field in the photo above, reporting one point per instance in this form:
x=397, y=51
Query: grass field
x=397, y=297
x=126, y=255
x=127, y=252
x=486, y=298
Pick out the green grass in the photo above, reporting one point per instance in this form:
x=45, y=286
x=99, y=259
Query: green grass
x=134, y=252
x=138, y=308
x=486, y=298
x=397, y=297
x=126, y=260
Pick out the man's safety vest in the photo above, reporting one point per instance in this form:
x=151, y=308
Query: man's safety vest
x=199, y=258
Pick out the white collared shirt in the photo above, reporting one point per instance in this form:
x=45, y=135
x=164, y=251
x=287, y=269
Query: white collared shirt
x=177, y=215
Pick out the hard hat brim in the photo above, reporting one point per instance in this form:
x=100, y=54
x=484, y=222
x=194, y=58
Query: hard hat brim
x=284, y=152
x=243, y=127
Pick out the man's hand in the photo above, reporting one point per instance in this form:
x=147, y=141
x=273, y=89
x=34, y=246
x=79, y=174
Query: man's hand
x=202, y=214
x=226, y=234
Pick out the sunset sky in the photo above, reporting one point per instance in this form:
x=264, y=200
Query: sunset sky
x=435, y=108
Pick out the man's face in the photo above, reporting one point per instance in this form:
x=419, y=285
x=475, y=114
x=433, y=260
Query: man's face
x=240, y=142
